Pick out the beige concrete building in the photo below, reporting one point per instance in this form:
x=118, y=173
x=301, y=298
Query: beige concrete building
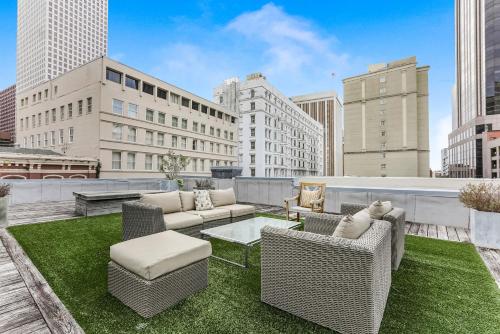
x=326, y=108
x=386, y=127
x=126, y=119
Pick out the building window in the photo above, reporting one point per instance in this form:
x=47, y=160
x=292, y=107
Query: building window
x=175, y=122
x=161, y=118
x=212, y=147
x=219, y=114
x=70, y=110
x=133, y=110
x=131, y=82
x=117, y=107
x=32, y=140
x=38, y=140
x=117, y=132
x=45, y=139
x=252, y=158
x=39, y=119
x=132, y=134
x=252, y=145
x=195, y=145
x=231, y=136
x=212, y=112
x=113, y=75
x=161, y=93
x=252, y=105
x=62, y=113
x=212, y=131
x=252, y=119
x=184, y=123
x=116, y=160
x=382, y=133
x=195, y=105
x=383, y=166
x=52, y=138
x=174, y=98
x=61, y=136
x=202, y=128
x=218, y=133
x=149, y=138
x=131, y=161
x=148, y=162
x=195, y=126
x=160, y=163
x=147, y=88
x=160, y=139
x=174, y=141
x=150, y=115
x=252, y=93
x=225, y=134
x=185, y=102
x=183, y=142
x=89, y=105
x=252, y=171
x=71, y=135
x=252, y=132
x=204, y=109
x=80, y=108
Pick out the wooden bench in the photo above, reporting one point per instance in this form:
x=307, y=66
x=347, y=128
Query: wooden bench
x=95, y=203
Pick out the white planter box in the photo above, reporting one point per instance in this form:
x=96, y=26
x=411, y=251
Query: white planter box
x=485, y=229
x=4, y=202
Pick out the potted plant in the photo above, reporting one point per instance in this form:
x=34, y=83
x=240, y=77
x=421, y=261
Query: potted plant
x=4, y=201
x=172, y=164
x=483, y=199
x=203, y=184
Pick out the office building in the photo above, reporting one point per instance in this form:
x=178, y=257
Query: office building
x=326, y=108
x=126, y=119
x=276, y=138
x=8, y=112
x=55, y=36
x=386, y=121
x=477, y=24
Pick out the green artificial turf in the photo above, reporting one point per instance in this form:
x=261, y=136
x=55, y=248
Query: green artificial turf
x=441, y=287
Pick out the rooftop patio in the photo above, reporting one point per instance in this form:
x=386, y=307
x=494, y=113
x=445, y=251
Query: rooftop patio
x=29, y=304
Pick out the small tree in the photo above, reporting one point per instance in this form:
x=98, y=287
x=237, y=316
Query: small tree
x=172, y=164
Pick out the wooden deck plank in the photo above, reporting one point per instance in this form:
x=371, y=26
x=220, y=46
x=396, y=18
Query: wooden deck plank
x=452, y=234
x=36, y=327
x=462, y=235
x=414, y=229
x=432, y=231
x=442, y=233
x=422, y=231
x=57, y=317
x=19, y=317
x=407, y=227
x=22, y=303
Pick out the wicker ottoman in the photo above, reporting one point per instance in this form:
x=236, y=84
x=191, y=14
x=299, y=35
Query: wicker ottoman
x=152, y=273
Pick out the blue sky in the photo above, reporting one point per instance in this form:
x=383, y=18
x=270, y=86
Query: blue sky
x=296, y=44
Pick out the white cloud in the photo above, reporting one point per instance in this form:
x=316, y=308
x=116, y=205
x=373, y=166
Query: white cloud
x=439, y=139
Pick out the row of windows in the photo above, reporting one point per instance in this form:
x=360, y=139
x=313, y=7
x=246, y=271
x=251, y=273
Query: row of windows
x=134, y=83
x=65, y=112
x=175, y=141
x=195, y=165
x=160, y=118
x=48, y=139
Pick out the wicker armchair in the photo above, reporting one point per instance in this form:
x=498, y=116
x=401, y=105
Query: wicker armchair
x=338, y=283
x=140, y=219
x=397, y=219
x=315, y=205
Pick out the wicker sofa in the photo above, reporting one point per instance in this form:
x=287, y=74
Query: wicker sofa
x=156, y=213
x=397, y=219
x=342, y=284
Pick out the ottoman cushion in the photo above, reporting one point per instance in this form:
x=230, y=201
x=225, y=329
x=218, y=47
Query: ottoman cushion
x=160, y=253
x=238, y=210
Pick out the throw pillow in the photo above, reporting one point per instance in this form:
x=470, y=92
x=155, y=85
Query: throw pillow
x=379, y=209
x=222, y=197
x=306, y=196
x=352, y=227
x=202, y=200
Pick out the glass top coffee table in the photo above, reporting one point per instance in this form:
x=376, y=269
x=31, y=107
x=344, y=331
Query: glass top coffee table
x=245, y=233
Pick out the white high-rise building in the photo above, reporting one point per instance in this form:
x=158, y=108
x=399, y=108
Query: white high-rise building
x=276, y=137
x=56, y=36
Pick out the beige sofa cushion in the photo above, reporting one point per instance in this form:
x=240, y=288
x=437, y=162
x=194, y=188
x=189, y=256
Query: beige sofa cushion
x=213, y=214
x=222, y=197
x=238, y=210
x=169, y=202
x=379, y=209
x=187, y=200
x=157, y=254
x=177, y=220
x=306, y=196
x=352, y=227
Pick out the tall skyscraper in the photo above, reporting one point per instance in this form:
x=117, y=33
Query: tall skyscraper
x=327, y=108
x=386, y=127
x=477, y=31
x=56, y=36
x=8, y=111
x=276, y=137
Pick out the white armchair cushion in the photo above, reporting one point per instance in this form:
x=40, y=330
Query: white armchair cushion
x=168, y=202
x=223, y=197
x=352, y=227
x=379, y=209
